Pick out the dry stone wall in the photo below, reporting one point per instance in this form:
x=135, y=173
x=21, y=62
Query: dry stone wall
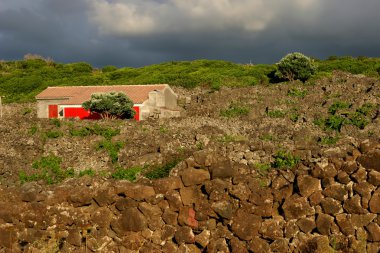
x=208, y=204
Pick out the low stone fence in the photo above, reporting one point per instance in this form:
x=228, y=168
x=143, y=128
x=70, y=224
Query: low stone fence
x=209, y=204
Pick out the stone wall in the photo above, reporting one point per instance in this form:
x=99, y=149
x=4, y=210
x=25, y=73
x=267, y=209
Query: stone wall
x=209, y=204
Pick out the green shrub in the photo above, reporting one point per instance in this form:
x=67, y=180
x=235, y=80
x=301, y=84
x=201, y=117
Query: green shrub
x=328, y=140
x=56, y=122
x=53, y=134
x=112, y=148
x=108, y=68
x=48, y=169
x=110, y=105
x=235, y=110
x=162, y=170
x=339, y=105
x=129, y=174
x=284, y=159
x=294, y=92
x=275, y=113
x=294, y=117
x=335, y=122
x=106, y=132
x=296, y=66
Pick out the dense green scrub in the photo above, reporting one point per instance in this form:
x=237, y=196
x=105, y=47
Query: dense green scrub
x=21, y=81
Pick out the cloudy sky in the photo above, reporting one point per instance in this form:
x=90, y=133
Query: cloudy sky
x=142, y=32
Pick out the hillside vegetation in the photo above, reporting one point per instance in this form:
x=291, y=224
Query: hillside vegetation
x=21, y=81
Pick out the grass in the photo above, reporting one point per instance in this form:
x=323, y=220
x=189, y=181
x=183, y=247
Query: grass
x=275, y=113
x=235, y=110
x=48, y=169
x=231, y=138
x=341, y=113
x=295, y=92
x=53, y=134
x=285, y=160
x=95, y=129
x=111, y=147
x=129, y=174
x=87, y=172
x=162, y=170
x=328, y=140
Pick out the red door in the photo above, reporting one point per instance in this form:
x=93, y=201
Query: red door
x=137, y=115
x=53, y=111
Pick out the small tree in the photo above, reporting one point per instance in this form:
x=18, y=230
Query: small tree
x=110, y=105
x=295, y=66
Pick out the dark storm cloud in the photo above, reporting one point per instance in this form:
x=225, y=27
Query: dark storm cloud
x=135, y=33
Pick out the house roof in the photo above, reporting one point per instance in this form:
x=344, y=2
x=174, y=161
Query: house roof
x=79, y=94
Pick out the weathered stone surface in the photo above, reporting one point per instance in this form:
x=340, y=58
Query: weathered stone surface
x=168, y=232
x=291, y=229
x=374, y=203
x=349, y=167
x=345, y=225
x=184, y=235
x=331, y=206
x=203, y=238
x=362, y=220
x=353, y=205
x=74, y=237
x=343, y=177
x=79, y=199
x=308, y=185
x=149, y=210
x=316, y=198
x=371, y=160
x=280, y=246
x=174, y=200
x=373, y=247
x=374, y=177
x=105, y=197
x=297, y=207
x=238, y=246
x=164, y=185
x=222, y=169
x=240, y=191
x=193, y=176
x=324, y=223
x=360, y=175
x=204, y=158
x=30, y=191
x=218, y=245
x=135, y=191
x=186, y=217
x=258, y=245
x=133, y=220
x=224, y=208
x=245, y=225
x=263, y=202
x=124, y=203
x=102, y=217
x=306, y=224
x=170, y=217
x=272, y=228
x=189, y=195
x=336, y=191
x=318, y=244
x=373, y=232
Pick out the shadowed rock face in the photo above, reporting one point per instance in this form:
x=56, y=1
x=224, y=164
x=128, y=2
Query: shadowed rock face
x=167, y=215
x=223, y=195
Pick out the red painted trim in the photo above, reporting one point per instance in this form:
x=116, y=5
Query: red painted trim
x=53, y=111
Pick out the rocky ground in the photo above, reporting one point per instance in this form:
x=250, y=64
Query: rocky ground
x=228, y=193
